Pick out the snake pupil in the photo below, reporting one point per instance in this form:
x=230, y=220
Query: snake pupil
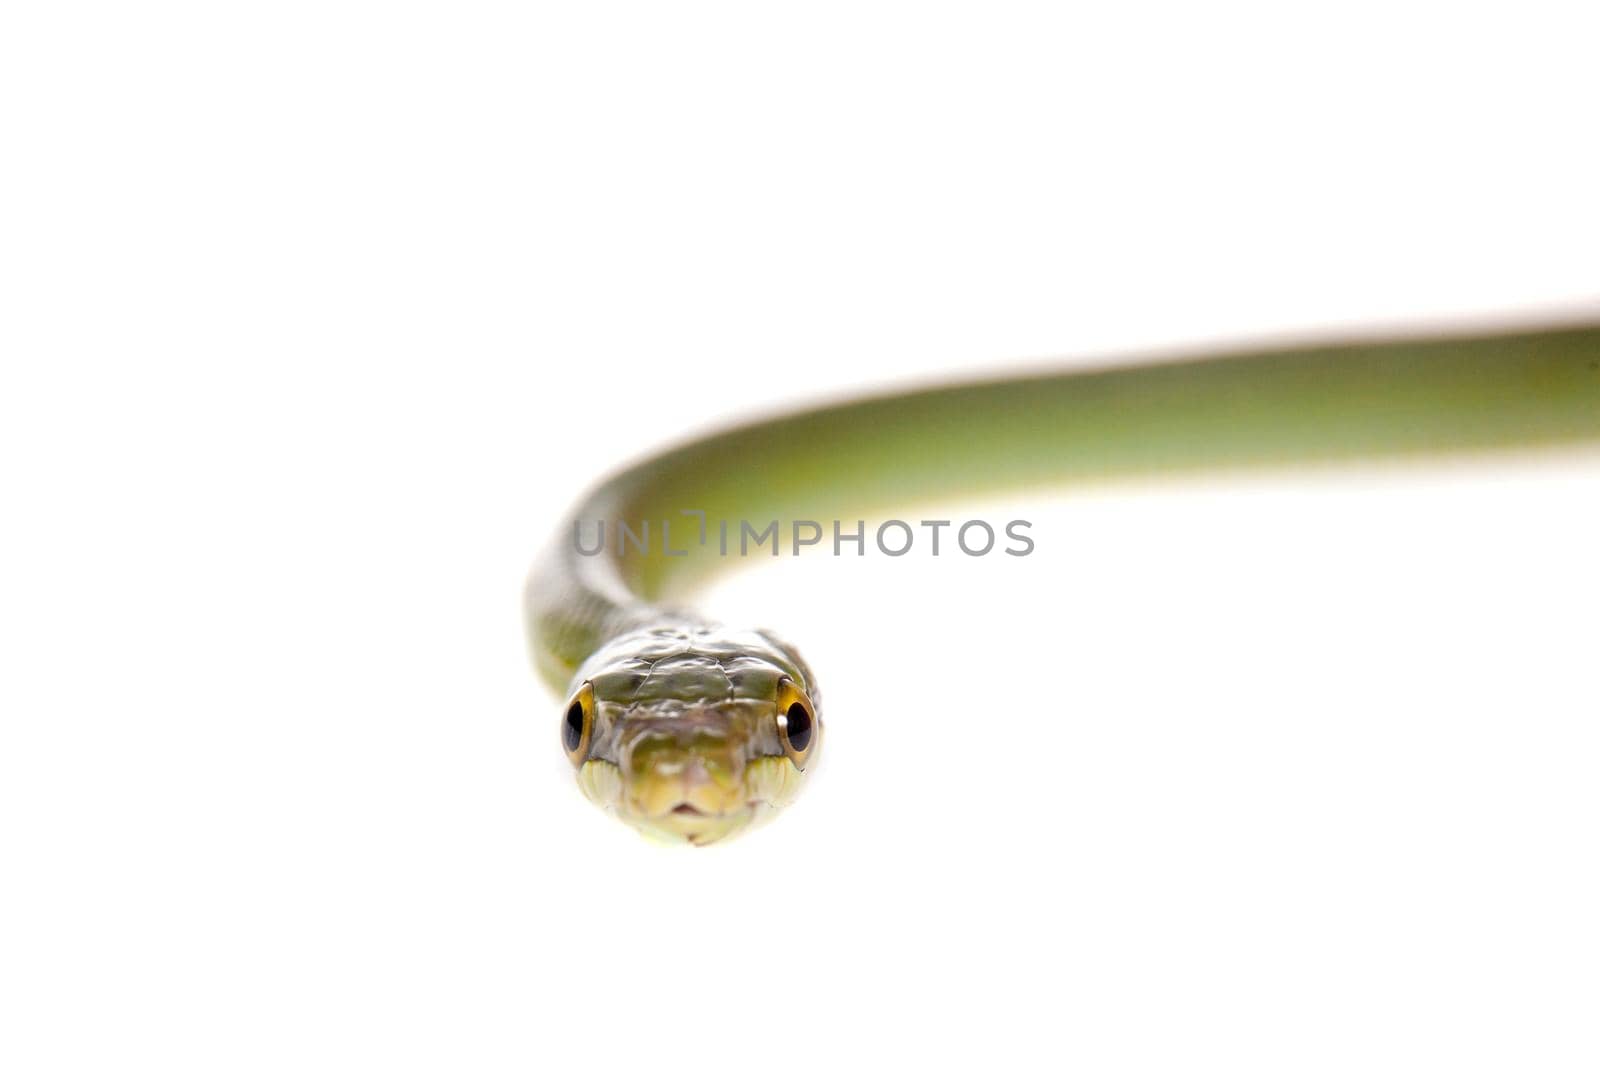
x=572, y=727
x=797, y=723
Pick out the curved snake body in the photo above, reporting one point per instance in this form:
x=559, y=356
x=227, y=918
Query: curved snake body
x=693, y=731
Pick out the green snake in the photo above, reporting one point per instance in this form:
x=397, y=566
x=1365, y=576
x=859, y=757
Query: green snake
x=693, y=731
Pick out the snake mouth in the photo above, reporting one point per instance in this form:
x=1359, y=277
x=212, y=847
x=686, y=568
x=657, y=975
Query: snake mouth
x=769, y=784
x=690, y=811
x=689, y=824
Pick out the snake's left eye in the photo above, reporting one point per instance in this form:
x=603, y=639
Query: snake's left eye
x=798, y=727
x=577, y=725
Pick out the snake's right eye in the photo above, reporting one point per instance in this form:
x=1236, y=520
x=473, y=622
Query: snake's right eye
x=577, y=725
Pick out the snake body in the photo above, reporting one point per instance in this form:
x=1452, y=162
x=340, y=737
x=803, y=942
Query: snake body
x=693, y=731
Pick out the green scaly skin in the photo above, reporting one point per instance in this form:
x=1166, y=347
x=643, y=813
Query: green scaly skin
x=685, y=741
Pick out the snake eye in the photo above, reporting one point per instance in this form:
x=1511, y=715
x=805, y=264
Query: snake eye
x=577, y=725
x=798, y=727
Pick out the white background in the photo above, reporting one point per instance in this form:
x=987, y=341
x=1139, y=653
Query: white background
x=316, y=316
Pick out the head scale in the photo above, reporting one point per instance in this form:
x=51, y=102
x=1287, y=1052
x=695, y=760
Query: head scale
x=691, y=732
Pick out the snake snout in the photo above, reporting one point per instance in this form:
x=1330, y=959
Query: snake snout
x=685, y=768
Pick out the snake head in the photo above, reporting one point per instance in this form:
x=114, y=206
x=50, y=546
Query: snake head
x=692, y=735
